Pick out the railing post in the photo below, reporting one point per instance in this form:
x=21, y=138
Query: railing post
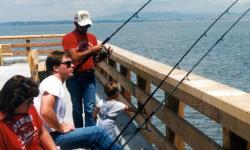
x=33, y=60
x=101, y=70
x=5, y=51
x=178, y=107
x=143, y=85
x=1, y=57
x=124, y=71
x=231, y=141
x=112, y=64
x=27, y=46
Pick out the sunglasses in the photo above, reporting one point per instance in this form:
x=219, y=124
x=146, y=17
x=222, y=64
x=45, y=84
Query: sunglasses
x=67, y=63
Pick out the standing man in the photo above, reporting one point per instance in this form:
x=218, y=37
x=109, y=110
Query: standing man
x=82, y=87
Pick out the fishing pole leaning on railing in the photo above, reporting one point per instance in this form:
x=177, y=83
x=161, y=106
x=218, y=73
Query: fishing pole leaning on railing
x=104, y=53
x=175, y=66
x=175, y=88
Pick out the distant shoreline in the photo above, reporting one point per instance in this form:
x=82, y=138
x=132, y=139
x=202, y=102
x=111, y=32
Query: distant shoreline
x=29, y=23
x=143, y=17
x=16, y=23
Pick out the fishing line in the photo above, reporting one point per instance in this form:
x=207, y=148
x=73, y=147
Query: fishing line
x=175, y=88
x=175, y=66
x=135, y=14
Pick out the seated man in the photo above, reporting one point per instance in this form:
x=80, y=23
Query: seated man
x=52, y=107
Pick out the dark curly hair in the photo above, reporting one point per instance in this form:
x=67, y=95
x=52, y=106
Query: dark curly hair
x=111, y=88
x=16, y=91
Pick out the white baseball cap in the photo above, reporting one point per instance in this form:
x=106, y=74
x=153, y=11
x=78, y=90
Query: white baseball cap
x=82, y=17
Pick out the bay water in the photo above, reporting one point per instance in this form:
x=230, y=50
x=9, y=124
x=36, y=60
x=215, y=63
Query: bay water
x=166, y=42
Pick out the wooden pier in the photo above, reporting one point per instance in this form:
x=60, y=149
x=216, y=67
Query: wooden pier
x=23, y=69
x=137, y=75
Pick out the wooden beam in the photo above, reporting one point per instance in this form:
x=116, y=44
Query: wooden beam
x=41, y=52
x=37, y=44
x=178, y=107
x=1, y=57
x=126, y=73
x=31, y=36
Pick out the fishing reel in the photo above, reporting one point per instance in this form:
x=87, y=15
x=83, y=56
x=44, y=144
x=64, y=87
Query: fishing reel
x=104, y=53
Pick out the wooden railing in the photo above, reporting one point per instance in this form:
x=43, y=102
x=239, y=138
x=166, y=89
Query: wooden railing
x=226, y=106
x=30, y=46
x=25, y=43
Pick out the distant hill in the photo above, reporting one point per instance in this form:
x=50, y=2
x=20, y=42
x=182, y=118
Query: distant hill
x=27, y=23
x=143, y=17
x=154, y=16
x=171, y=16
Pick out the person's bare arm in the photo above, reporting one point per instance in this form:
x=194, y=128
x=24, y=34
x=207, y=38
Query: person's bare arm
x=49, y=115
x=45, y=140
x=96, y=111
x=76, y=56
x=130, y=109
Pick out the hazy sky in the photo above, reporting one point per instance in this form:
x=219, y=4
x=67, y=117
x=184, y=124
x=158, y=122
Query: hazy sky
x=34, y=10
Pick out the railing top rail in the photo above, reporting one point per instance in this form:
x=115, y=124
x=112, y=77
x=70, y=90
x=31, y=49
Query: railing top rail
x=31, y=36
x=230, y=100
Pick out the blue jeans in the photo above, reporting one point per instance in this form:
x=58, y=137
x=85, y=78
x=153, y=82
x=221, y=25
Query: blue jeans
x=82, y=89
x=95, y=138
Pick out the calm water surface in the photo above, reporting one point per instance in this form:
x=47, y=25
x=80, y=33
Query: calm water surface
x=166, y=42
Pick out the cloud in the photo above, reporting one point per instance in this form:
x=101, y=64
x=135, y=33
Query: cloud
x=23, y=1
x=245, y=1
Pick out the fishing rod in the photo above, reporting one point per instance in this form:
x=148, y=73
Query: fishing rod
x=135, y=14
x=175, y=66
x=175, y=88
x=104, y=53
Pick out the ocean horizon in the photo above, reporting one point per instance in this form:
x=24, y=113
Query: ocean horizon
x=166, y=42
x=142, y=17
